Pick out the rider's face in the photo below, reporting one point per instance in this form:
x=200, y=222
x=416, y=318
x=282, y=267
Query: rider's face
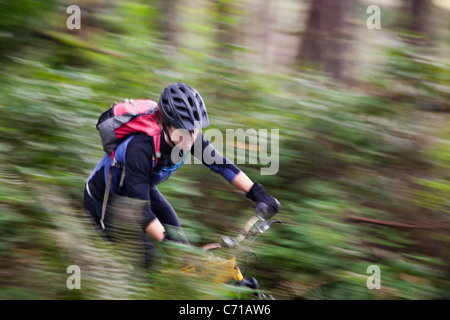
x=183, y=138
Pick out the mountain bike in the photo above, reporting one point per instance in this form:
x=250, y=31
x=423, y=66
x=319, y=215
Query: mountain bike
x=225, y=262
x=228, y=262
x=235, y=268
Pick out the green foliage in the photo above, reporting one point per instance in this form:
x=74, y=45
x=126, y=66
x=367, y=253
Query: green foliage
x=375, y=151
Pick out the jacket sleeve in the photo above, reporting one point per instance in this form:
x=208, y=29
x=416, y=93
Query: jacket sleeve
x=138, y=169
x=213, y=159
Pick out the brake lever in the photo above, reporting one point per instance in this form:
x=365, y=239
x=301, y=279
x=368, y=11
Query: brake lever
x=260, y=224
x=263, y=225
x=275, y=221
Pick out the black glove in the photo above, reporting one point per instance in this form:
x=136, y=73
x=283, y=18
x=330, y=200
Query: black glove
x=266, y=206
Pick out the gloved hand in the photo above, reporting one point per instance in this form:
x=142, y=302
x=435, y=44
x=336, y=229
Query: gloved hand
x=266, y=206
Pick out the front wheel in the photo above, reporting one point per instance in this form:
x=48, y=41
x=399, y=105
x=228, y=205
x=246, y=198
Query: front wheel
x=255, y=293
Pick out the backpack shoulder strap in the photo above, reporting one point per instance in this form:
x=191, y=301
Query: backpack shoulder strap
x=106, y=195
x=118, y=161
x=157, y=143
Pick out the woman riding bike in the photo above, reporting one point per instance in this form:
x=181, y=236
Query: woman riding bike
x=181, y=108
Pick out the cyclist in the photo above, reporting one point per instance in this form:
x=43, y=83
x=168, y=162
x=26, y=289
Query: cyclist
x=181, y=107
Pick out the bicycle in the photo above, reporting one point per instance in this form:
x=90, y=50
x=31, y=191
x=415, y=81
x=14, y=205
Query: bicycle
x=200, y=260
x=229, y=267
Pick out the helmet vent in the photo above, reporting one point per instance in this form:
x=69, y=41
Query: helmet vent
x=178, y=100
x=184, y=118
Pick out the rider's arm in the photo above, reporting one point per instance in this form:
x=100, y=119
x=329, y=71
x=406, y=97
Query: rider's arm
x=203, y=150
x=215, y=161
x=242, y=182
x=218, y=163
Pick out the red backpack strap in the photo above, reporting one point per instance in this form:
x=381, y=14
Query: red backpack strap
x=157, y=141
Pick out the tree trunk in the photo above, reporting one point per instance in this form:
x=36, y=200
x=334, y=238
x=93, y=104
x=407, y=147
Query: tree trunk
x=322, y=43
x=224, y=36
x=419, y=9
x=168, y=20
x=416, y=20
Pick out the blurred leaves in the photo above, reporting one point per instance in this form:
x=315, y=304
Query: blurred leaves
x=375, y=149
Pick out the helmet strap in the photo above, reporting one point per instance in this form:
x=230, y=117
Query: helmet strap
x=166, y=132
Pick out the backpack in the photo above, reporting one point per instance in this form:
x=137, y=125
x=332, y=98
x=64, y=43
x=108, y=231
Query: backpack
x=117, y=127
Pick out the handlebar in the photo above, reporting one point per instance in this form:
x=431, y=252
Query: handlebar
x=255, y=226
